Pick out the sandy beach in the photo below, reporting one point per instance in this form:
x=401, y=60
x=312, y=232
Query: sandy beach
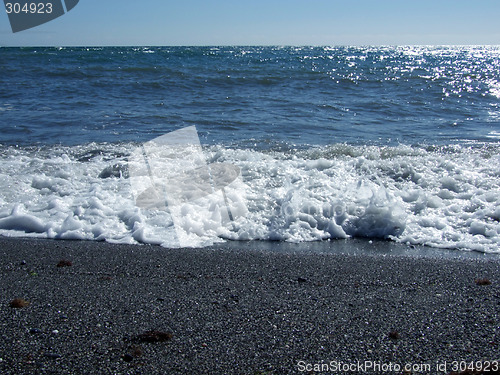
x=354, y=307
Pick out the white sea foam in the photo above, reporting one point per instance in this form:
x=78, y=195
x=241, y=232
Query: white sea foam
x=442, y=197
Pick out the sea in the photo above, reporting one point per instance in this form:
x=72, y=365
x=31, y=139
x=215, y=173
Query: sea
x=393, y=143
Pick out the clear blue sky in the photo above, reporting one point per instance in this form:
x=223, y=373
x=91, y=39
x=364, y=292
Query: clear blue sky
x=270, y=22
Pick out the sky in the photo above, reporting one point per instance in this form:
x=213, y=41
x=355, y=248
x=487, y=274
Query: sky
x=270, y=22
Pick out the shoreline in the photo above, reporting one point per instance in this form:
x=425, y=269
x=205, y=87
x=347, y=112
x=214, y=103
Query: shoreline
x=247, y=308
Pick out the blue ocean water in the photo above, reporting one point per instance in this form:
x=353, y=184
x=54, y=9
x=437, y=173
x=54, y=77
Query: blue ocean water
x=306, y=95
x=400, y=143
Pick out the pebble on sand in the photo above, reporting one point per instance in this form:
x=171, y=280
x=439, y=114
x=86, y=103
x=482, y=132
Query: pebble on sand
x=64, y=263
x=18, y=303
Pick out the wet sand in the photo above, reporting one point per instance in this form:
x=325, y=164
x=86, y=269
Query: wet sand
x=244, y=308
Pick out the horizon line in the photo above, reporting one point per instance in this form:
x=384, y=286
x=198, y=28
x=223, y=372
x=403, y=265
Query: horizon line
x=250, y=45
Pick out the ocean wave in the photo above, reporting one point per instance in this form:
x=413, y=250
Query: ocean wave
x=440, y=196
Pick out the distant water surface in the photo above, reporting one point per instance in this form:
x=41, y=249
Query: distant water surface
x=305, y=95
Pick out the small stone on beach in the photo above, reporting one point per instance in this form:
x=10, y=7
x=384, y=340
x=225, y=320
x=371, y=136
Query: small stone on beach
x=154, y=336
x=52, y=355
x=483, y=282
x=64, y=263
x=394, y=335
x=127, y=357
x=18, y=303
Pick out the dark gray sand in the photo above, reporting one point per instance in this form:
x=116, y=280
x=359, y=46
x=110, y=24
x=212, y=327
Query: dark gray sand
x=233, y=310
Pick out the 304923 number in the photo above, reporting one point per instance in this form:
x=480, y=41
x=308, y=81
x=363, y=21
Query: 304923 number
x=31, y=8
